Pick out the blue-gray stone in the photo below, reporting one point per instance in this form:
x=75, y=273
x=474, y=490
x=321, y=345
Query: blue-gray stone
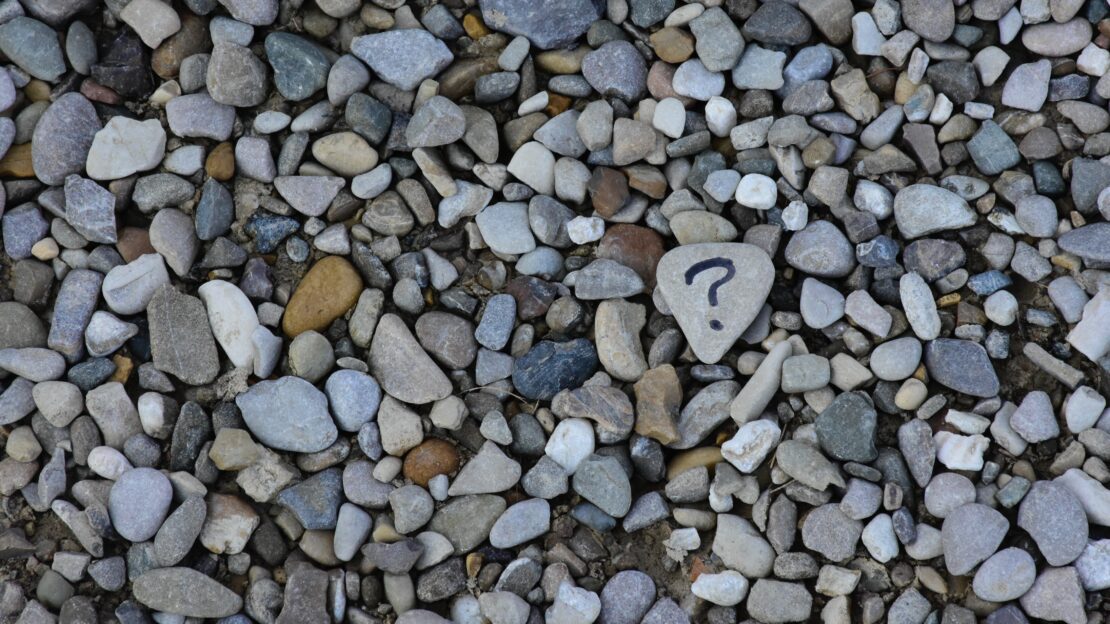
x=34, y=47
x=989, y=282
x=215, y=211
x=553, y=366
x=368, y=117
x=961, y=365
x=1090, y=242
x=846, y=428
x=74, y=306
x=403, y=58
x=300, y=66
x=616, y=69
x=315, y=501
x=23, y=227
x=992, y=149
x=548, y=24
x=62, y=138
x=268, y=230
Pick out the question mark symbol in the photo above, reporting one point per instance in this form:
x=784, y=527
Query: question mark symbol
x=706, y=265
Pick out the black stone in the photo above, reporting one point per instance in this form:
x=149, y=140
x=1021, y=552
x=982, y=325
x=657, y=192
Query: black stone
x=553, y=366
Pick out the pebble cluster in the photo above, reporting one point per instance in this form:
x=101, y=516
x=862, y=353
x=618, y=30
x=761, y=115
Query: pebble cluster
x=555, y=311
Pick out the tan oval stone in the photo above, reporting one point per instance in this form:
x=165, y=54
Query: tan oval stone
x=327, y=291
x=345, y=153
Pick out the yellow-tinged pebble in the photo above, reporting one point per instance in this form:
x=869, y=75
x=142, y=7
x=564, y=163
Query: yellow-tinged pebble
x=124, y=366
x=707, y=456
x=950, y=299
x=473, y=564
x=45, y=249
x=474, y=26
x=37, y=91
x=17, y=162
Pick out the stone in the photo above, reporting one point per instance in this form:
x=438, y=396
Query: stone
x=552, y=25
x=820, y=249
x=775, y=602
x=1056, y=595
x=62, y=138
x=971, y=534
x=177, y=319
x=921, y=209
x=1055, y=520
x=521, y=523
x=487, y=472
x=232, y=319
x=626, y=597
x=108, y=159
x=403, y=58
x=401, y=365
x=288, y=414
x=743, y=296
x=139, y=502
x=550, y=367
x=846, y=428
x=1005, y=576
x=616, y=69
x=90, y=209
x=33, y=46
x=185, y=592
x=309, y=195
x=828, y=531
x=300, y=67
x=961, y=365
x=601, y=480
x=329, y=289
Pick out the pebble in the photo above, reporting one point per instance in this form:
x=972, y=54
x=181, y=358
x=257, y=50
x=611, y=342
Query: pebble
x=145, y=141
x=948, y=211
x=164, y=589
x=1055, y=520
x=288, y=414
x=1005, y=576
x=403, y=58
x=139, y=502
x=615, y=69
x=971, y=534
x=962, y=366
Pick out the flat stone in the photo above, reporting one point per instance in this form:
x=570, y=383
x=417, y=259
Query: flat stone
x=288, y=414
x=402, y=367
x=1056, y=595
x=1055, y=520
x=139, y=502
x=550, y=25
x=846, y=428
x=921, y=209
x=616, y=69
x=970, y=535
x=712, y=323
x=177, y=320
x=403, y=58
x=961, y=365
x=185, y=592
x=1005, y=576
x=124, y=147
x=62, y=138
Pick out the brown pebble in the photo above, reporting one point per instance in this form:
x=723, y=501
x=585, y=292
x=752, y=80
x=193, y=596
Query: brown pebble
x=474, y=27
x=133, y=242
x=636, y=247
x=432, y=457
x=17, y=162
x=99, y=93
x=37, y=91
x=671, y=44
x=221, y=162
x=327, y=291
x=608, y=190
x=192, y=39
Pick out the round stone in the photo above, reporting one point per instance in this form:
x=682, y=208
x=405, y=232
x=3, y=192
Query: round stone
x=138, y=503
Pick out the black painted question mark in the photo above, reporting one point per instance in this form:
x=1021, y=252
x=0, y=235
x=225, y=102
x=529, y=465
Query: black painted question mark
x=705, y=265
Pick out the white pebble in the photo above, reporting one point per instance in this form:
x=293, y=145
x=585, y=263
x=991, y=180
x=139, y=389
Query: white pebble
x=582, y=230
x=107, y=462
x=757, y=191
x=720, y=116
x=1001, y=308
x=725, y=589
x=570, y=443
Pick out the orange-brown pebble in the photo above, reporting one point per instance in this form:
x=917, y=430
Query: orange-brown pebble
x=432, y=457
x=326, y=292
x=133, y=242
x=221, y=162
x=556, y=104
